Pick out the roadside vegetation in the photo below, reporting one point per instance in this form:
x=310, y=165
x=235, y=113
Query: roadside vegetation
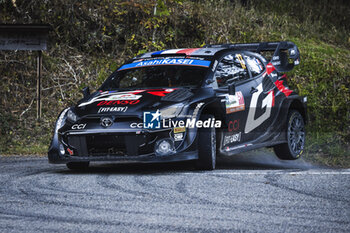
x=90, y=40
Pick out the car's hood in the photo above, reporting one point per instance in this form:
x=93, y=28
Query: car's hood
x=131, y=102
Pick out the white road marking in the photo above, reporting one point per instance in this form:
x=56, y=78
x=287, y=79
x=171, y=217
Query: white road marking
x=269, y=172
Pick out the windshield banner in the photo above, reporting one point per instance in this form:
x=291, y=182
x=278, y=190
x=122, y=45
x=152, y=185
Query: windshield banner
x=167, y=61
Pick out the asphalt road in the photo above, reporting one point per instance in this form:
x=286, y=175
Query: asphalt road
x=251, y=192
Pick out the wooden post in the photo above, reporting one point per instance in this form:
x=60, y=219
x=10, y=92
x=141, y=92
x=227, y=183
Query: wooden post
x=38, y=87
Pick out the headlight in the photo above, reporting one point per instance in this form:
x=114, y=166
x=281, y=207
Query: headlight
x=71, y=116
x=62, y=150
x=60, y=120
x=172, y=111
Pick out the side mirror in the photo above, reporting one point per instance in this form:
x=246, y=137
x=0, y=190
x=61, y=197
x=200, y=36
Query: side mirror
x=209, y=81
x=231, y=89
x=86, y=92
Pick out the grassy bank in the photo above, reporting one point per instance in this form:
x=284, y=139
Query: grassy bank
x=327, y=149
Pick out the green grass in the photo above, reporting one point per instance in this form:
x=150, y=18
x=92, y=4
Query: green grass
x=34, y=148
x=327, y=149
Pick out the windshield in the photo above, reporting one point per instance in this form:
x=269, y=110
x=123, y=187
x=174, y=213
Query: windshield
x=156, y=76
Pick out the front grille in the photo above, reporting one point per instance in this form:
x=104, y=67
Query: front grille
x=113, y=144
x=106, y=144
x=116, y=144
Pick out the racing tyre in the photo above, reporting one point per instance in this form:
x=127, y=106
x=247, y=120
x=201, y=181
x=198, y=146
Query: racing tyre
x=206, y=147
x=78, y=165
x=295, y=138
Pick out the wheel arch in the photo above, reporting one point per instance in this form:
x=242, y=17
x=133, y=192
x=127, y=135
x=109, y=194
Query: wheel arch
x=298, y=105
x=213, y=108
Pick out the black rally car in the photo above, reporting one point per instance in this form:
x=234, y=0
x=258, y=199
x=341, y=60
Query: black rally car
x=187, y=104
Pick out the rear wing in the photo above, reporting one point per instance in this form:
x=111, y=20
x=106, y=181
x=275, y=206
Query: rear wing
x=286, y=54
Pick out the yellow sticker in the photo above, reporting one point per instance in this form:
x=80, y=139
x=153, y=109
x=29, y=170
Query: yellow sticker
x=179, y=129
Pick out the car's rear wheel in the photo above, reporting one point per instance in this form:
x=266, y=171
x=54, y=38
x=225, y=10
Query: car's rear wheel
x=206, y=147
x=77, y=165
x=295, y=138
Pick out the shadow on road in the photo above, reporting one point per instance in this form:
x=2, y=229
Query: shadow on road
x=253, y=160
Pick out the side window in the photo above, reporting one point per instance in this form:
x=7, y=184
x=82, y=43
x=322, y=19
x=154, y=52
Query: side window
x=255, y=66
x=230, y=69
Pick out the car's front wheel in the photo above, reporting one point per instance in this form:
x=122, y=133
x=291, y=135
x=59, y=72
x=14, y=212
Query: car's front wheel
x=77, y=165
x=295, y=138
x=206, y=147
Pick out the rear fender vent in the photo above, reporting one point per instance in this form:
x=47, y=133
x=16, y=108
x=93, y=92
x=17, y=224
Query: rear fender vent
x=267, y=84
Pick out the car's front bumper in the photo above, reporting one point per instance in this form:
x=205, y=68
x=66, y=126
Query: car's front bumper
x=55, y=158
x=118, y=146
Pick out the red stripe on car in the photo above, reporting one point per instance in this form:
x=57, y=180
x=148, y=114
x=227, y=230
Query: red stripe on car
x=282, y=88
x=273, y=98
x=158, y=93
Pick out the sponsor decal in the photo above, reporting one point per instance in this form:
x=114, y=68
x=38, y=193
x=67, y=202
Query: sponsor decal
x=276, y=63
x=273, y=75
x=178, y=136
x=125, y=97
x=78, y=126
x=114, y=96
x=136, y=125
x=179, y=129
x=166, y=61
x=233, y=125
x=232, y=138
x=267, y=103
x=151, y=120
x=192, y=123
x=112, y=109
x=234, y=103
x=118, y=102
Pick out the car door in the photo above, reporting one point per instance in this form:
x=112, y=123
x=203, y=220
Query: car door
x=232, y=69
x=260, y=109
